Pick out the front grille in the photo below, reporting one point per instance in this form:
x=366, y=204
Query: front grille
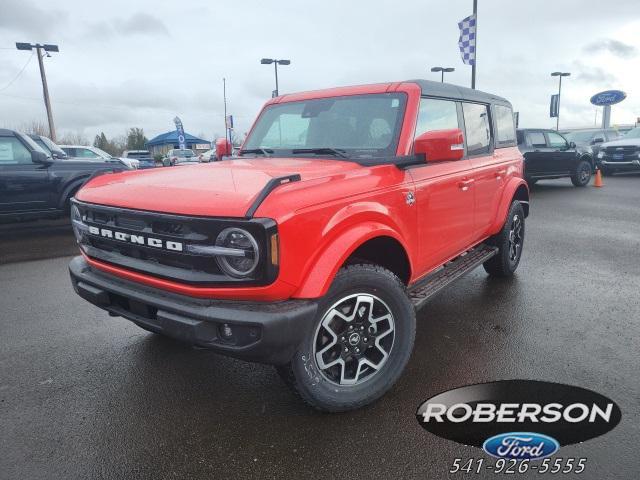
x=624, y=149
x=170, y=232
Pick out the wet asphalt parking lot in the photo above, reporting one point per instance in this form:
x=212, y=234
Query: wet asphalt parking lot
x=83, y=395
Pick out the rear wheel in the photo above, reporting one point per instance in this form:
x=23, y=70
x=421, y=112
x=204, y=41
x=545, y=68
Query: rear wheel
x=509, y=241
x=361, y=340
x=582, y=174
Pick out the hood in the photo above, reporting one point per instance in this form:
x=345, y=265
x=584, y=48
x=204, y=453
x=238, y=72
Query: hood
x=224, y=189
x=629, y=142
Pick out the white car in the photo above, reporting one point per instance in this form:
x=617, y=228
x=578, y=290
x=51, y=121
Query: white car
x=89, y=152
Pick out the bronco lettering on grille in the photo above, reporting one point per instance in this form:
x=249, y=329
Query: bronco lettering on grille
x=136, y=239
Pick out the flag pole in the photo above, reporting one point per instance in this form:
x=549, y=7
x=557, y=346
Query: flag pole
x=475, y=53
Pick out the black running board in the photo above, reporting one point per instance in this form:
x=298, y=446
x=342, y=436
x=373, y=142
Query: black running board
x=435, y=282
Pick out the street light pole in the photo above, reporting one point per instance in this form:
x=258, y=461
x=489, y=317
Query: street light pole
x=269, y=61
x=45, y=90
x=559, y=75
x=442, y=70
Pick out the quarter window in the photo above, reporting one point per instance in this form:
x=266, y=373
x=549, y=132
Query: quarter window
x=436, y=115
x=505, y=126
x=13, y=152
x=478, y=131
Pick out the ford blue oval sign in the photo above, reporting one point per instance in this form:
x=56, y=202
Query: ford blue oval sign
x=521, y=446
x=608, y=97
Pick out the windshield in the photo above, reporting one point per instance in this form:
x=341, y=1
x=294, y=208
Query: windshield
x=633, y=133
x=34, y=146
x=42, y=145
x=580, y=137
x=358, y=125
x=102, y=153
x=52, y=147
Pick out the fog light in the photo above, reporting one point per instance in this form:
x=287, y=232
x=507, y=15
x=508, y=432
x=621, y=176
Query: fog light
x=226, y=330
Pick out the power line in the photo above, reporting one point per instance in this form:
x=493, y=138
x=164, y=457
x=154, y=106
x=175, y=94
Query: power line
x=18, y=75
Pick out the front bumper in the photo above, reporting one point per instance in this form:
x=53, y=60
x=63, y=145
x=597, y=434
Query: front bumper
x=261, y=332
x=621, y=165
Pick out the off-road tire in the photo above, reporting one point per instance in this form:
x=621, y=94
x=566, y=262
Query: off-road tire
x=304, y=374
x=503, y=264
x=582, y=174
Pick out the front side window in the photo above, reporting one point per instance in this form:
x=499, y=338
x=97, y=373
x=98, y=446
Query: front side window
x=505, y=125
x=13, y=152
x=556, y=140
x=436, y=114
x=358, y=125
x=478, y=131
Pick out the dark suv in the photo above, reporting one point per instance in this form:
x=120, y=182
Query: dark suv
x=592, y=137
x=34, y=184
x=548, y=154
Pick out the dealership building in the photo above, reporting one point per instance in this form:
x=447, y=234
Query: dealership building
x=166, y=141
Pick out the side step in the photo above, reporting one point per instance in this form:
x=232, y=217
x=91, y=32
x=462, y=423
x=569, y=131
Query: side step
x=424, y=290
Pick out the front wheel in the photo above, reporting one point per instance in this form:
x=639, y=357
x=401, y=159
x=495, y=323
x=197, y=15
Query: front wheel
x=509, y=241
x=359, y=344
x=582, y=174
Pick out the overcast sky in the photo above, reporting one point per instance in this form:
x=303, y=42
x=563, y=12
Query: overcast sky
x=141, y=62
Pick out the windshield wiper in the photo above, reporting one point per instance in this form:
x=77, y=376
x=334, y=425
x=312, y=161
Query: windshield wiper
x=264, y=151
x=322, y=151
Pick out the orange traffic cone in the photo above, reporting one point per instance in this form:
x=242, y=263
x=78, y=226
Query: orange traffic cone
x=598, y=180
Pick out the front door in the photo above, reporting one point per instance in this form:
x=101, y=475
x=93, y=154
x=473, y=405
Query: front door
x=562, y=156
x=24, y=185
x=537, y=153
x=444, y=193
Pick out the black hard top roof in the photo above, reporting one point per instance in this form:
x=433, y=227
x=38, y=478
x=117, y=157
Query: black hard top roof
x=448, y=90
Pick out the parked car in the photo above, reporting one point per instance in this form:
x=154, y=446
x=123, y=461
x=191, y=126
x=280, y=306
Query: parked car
x=49, y=147
x=87, y=152
x=621, y=155
x=144, y=158
x=592, y=137
x=548, y=154
x=33, y=184
x=177, y=155
x=208, y=156
x=315, y=250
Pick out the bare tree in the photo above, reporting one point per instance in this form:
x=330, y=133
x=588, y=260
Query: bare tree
x=77, y=138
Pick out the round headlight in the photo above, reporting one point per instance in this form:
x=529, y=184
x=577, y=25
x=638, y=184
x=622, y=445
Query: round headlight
x=244, y=260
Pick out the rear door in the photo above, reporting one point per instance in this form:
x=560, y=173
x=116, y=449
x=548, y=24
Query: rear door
x=444, y=192
x=24, y=185
x=488, y=133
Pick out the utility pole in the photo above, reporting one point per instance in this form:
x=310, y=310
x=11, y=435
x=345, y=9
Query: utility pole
x=47, y=103
x=475, y=52
x=224, y=96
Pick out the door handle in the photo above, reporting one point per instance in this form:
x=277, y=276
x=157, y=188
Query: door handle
x=500, y=173
x=465, y=184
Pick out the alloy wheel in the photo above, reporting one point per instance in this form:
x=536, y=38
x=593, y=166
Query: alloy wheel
x=515, y=238
x=354, y=339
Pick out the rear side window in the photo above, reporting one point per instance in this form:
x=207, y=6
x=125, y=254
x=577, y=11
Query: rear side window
x=478, y=131
x=13, y=152
x=436, y=115
x=505, y=126
x=536, y=139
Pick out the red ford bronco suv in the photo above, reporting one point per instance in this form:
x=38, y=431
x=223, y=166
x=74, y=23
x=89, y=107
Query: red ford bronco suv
x=344, y=212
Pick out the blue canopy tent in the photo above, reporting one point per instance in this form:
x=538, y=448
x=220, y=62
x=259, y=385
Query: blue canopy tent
x=164, y=142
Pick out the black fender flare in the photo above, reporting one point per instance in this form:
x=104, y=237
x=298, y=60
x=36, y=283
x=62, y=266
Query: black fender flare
x=71, y=188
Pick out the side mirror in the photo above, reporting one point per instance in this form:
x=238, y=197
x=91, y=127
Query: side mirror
x=223, y=148
x=440, y=145
x=572, y=144
x=40, y=157
x=597, y=140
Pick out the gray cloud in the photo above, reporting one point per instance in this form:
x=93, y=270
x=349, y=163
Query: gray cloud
x=615, y=47
x=139, y=24
x=593, y=74
x=25, y=17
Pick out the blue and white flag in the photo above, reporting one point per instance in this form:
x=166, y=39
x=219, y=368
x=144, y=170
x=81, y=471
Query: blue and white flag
x=467, y=40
